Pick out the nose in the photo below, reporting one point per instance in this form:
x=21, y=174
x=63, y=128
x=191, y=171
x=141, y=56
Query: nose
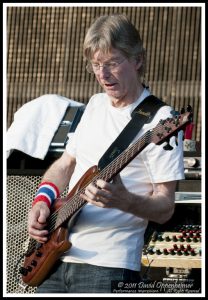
x=104, y=72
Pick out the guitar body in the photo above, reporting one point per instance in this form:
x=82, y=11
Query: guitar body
x=40, y=259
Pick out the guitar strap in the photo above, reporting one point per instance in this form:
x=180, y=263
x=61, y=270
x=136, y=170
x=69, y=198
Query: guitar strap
x=142, y=114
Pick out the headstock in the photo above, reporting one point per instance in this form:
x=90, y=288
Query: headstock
x=169, y=127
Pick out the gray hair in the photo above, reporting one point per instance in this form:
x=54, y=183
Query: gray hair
x=114, y=31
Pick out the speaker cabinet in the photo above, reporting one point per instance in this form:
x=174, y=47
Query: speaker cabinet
x=21, y=190
x=20, y=193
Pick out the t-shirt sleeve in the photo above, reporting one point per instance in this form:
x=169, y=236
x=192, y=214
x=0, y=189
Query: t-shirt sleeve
x=165, y=165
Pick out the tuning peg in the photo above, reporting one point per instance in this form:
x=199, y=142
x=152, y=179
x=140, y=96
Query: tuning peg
x=168, y=146
x=174, y=113
x=182, y=110
x=189, y=108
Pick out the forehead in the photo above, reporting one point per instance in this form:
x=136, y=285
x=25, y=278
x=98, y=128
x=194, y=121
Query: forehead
x=99, y=55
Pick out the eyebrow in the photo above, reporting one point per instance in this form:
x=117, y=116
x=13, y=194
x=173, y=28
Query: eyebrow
x=110, y=59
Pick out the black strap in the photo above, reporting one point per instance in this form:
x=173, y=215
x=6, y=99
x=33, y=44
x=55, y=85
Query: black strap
x=142, y=114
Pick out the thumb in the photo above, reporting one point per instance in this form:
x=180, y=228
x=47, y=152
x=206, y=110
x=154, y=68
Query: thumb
x=117, y=179
x=43, y=213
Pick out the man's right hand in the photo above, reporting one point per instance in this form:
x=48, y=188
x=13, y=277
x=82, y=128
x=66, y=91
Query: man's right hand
x=59, y=173
x=37, y=221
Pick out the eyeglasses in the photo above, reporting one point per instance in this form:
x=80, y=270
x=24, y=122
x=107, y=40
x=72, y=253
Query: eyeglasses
x=110, y=66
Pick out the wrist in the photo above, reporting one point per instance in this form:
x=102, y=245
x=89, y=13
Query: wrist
x=129, y=203
x=47, y=192
x=41, y=203
x=135, y=203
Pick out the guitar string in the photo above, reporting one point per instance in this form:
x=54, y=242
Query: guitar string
x=105, y=171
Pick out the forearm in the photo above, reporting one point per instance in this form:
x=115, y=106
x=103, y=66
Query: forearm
x=53, y=184
x=60, y=172
x=157, y=207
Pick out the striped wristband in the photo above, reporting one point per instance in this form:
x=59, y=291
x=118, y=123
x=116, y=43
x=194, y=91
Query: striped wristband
x=47, y=192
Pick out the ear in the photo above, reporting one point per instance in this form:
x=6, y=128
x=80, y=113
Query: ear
x=139, y=62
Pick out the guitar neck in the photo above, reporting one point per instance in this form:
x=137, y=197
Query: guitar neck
x=119, y=163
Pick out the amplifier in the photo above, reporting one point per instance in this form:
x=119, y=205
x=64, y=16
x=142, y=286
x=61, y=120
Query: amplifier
x=192, y=172
x=192, y=167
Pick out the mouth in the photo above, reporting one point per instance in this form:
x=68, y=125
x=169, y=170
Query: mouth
x=109, y=85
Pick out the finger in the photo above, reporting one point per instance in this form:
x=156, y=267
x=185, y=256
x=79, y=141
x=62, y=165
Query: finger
x=95, y=192
x=39, y=235
x=92, y=188
x=42, y=218
x=104, y=195
x=38, y=216
x=103, y=184
x=39, y=239
x=35, y=224
x=90, y=194
x=98, y=201
x=35, y=228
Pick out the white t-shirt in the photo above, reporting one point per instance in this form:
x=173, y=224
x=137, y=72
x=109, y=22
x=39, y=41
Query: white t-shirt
x=110, y=237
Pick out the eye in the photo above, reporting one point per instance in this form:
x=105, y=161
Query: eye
x=95, y=65
x=112, y=64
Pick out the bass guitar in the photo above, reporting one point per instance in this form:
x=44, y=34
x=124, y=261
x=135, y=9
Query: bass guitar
x=41, y=257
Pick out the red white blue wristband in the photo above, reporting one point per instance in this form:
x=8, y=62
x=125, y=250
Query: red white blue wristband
x=47, y=192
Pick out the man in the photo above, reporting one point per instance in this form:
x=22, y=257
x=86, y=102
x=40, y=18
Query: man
x=108, y=235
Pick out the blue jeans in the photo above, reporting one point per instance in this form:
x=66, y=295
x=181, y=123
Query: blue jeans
x=84, y=278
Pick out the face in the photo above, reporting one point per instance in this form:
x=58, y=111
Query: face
x=118, y=76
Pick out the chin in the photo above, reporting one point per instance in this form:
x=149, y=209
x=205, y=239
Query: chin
x=113, y=94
